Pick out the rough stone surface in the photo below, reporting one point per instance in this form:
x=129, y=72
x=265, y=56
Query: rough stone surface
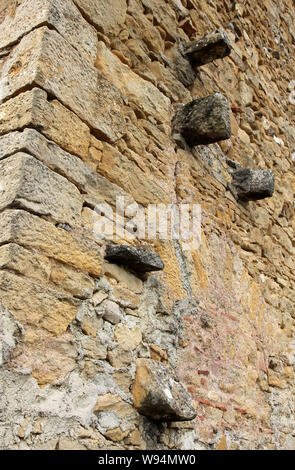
x=37, y=189
x=37, y=305
x=138, y=259
x=251, y=185
x=143, y=94
x=204, y=120
x=158, y=395
x=64, y=163
x=31, y=109
x=47, y=60
x=106, y=16
x=214, y=46
x=59, y=14
x=73, y=248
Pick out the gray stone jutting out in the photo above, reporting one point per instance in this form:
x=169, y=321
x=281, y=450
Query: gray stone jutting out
x=215, y=45
x=252, y=185
x=139, y=259
x=203, y=121
x=159, y=395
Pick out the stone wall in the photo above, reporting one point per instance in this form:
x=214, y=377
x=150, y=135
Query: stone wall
x=88, y=92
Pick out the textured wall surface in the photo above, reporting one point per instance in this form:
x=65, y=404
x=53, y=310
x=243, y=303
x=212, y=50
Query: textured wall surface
x=88, y=90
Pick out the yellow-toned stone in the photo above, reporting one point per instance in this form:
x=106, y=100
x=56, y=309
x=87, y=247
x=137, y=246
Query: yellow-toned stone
x=75, y=282
x=128, y=279
x=222, y=444
x=134, y=439
x=200, y=270
x=48, y=358
x=65, y=443
x=119, y=357
x=116, y=435
x=128, y=338
x=112, y=402
x=71, y=247
x=29, y=263
x=37, y=305
x=22, y=429
x=31, y=109
x=158, y=354
x=125, y=296
x=93, y=348
x=274, y=380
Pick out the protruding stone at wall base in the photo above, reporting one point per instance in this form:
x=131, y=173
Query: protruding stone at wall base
x=139, y=259
x=211, y=47
x=158, y=395
x=36, y=188
x=203, y=121
x=252, y=185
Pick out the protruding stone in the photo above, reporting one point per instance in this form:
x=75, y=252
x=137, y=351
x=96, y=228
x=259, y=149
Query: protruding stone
x=139, y=259
x=214, y=46
x=252, y=185
x=204, y=120
x=158, y=395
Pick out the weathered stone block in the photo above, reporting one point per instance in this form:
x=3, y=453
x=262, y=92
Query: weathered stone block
x=73, y=248
x=44, y=58
x=144, y=187
x=36, y=188
x=75, y=282
x=204, y=120
x=158, y=395
x=252, y=185
x=211, y=47
x=70, y=166
x=37, y=305
x=106, y=16
x=60, y=14
x=31, y=109
x=139, y=259
x=31, y=264
x=143, y=94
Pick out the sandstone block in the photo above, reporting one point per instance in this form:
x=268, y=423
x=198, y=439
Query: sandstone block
x=204, y=120
x=64, y=163
x=36, y=188
x=128, y=338
x=93, y=348
x=251, y=185
x=31, y=109
x=106, y=16
x=35, y=304
x=112, y=402
x=144, y=187
x=119, y=357
x=44, y=58
x=29, y=263
x=158, y=395
x=75, y=282
x=60, y=14
x=215, y=45
x=143, y=94
x=127, y=279
x=138, y=259
x=73, y=248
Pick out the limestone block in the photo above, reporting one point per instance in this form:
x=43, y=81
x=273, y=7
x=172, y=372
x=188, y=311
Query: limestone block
x=128, y=338
x=105, y=15
x=75, y=282
x=26, y=262
x=215, y=45
x=128, y=279
x=31, y=109
x=158, y=395
x=44, y=58
x=60, y=14
x=119, y=357
x=204, y=120
x=71, y=247
x=35, y=304
x=139, y=259
x=251, y=185
x=143, y=94
x=38, y=189
x=111, y=312
x=70, y=166
x=144, y=187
